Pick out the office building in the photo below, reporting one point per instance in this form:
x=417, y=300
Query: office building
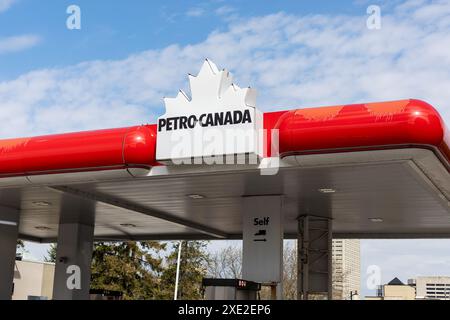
x=431, y=287
x=394, y=290
x=346, y=269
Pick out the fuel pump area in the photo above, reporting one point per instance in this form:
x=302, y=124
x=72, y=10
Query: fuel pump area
x=230, y=289
x=215, y=167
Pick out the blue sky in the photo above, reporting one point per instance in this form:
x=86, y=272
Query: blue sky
x=129, y=54
x=115, y=29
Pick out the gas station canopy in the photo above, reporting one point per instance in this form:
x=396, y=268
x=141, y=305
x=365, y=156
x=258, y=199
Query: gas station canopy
x=379, y=170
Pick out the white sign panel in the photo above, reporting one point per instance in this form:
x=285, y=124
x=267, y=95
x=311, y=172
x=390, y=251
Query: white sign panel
x=262, y=239
x=219, y=119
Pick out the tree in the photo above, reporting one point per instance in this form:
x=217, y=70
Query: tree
x=20, y=248
x=193, y=268
x=226, y=263
x=129, y=267
x=20, y=245
x=290, y=271
x=51, y=254
x=146, y=270
x=132, y=268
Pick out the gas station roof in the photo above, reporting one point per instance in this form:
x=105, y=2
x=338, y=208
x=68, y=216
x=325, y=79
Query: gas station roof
x=376, y=169
x=379, y=170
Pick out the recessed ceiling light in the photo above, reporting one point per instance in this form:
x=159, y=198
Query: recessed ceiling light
x=376, y=219
x=128, y=225
x=8, y=223
x=42, y=228
x=41, y=203
x=195, y=196
x=327, y=190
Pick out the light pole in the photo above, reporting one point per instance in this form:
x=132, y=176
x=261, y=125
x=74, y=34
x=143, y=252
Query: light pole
x=353, y=293
x=178, y=271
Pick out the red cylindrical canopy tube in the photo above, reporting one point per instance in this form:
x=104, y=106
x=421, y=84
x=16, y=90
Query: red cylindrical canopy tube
x=81, y=151
x=396, y=124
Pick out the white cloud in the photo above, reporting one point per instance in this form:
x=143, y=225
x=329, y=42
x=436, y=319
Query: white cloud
x=195, y=12
x=225, y=10
x=293, y=61
x=6, y=4
x=18, y=43
x=227, y=13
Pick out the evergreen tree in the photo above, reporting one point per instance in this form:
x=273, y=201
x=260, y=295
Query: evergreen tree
x=51, y=254
x=20, y=245
x=145, y=270
x=20, y=248
x=129, y=267
x=193, y=268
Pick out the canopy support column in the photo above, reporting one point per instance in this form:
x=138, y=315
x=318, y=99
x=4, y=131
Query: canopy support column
x=262, y=255
x=314, y=260
x=9, y=229
x=74, y=250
